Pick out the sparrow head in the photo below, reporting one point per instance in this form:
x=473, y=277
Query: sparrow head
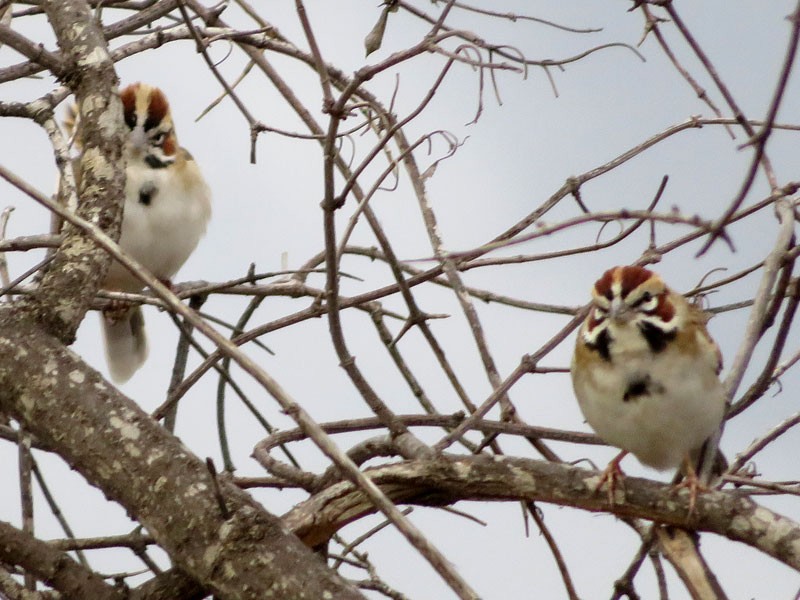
x=147, y=114
x=630, y=296
x=625, y=293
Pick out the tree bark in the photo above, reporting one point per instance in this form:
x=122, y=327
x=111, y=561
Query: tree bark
x=448, y=479
x=52, y=566
x=106, y=437
x=69, y=282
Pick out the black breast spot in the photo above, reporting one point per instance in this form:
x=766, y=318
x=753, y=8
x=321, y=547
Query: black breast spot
x=642, y=386
x=636, y=389
x=146, y=193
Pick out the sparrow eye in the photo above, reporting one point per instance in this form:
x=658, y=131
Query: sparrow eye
x=130, y=119
x=159, y=138
x=647, y=303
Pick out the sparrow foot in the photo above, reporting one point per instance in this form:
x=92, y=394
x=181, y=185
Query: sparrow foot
x=116, y=311
x=691, y=482
x=612, y=474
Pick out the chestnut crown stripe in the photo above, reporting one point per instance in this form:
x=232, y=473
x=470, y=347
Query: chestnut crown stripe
x=629, y=279
x=157, y=109
x=632, y=277
x=128, y=97
x=603, y=285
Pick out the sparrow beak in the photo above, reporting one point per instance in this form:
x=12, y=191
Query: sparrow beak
x=138, y=140
x=619, y=311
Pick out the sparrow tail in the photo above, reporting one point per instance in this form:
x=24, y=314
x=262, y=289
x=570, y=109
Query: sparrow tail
x=125, y=343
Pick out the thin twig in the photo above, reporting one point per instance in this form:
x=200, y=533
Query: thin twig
x=25, y=466
x=551, y=543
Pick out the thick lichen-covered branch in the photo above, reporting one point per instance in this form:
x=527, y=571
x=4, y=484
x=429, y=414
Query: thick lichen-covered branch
x=449, y=479
x=120, y=449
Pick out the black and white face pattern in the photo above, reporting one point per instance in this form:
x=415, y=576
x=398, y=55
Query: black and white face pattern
x=147, y=114
x=630, y=297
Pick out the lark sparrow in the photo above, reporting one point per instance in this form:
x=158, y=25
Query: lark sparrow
x=167, y=208
x=645, y=372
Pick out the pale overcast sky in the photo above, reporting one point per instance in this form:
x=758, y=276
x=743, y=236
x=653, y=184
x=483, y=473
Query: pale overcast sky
x=512, y=159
